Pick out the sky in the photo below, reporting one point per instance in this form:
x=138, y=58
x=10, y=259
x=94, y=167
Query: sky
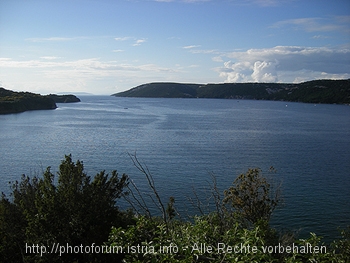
x=106, y=46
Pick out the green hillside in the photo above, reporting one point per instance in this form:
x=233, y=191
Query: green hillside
x=15, y=102
x=161, y=90
x=317, y=91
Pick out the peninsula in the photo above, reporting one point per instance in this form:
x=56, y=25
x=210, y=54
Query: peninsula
x=316, y=91
x=64, y=98
x=15, y=102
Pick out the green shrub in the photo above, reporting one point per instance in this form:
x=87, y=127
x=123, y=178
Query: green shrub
x=75, y=210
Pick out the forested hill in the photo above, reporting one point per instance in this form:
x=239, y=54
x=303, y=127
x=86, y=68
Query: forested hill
x=316, y=91
x=15, y=102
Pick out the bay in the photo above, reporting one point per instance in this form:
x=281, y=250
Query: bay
x=184, y=141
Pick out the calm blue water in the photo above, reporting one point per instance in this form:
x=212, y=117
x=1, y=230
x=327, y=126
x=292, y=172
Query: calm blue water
x=183, y=141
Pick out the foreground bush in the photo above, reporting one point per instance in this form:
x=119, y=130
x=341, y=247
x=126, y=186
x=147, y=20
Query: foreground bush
x=75, y=218
x=238, y=231
x=71, y=209
x=200, y=241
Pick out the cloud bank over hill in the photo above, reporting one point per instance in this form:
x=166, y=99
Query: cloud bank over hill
x=280, y=64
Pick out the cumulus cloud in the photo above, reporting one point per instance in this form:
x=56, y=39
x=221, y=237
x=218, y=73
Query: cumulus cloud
x=264, y=71
x=286, y=64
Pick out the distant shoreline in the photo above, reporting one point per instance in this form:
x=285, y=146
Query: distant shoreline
x=316, y=91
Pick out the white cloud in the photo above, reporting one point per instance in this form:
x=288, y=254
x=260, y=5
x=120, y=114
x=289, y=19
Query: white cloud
x=217, y=59
x=204, y=51
x=236, y=72
x=286, y=64
x=139, y=42
x=194, y=49
x=50, y=57
x=320, y=37
x=264, y=71
x=54, y=39
x=50, y=76
x=317, y=24
x=191, y=46
x=93, y=65
x=122, y=38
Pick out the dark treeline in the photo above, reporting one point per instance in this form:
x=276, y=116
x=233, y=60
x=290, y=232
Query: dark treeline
x=317, y=91
x=15, y=102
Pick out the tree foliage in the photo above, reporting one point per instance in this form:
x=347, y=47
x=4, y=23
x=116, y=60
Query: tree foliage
x=251, y=196
x=14, y=102
x=201, y=241
x=77, y=209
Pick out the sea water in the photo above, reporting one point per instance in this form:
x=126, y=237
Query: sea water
x=185, y=143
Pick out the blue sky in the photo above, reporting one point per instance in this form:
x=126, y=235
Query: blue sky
x=105, y=46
